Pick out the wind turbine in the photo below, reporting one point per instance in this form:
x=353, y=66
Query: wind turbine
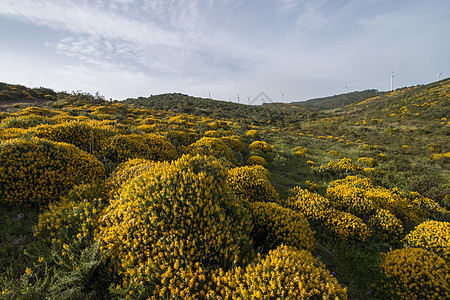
x=209, y=92
x=346, y=87
x=282, y=96
x=239, y=100
x=392, y=80
x=439, y=76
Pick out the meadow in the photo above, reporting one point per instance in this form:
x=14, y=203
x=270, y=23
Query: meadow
x=177, y=197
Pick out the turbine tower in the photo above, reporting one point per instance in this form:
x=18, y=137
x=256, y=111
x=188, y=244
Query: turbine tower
x=282, y=96
x=439, y=76
x=392, y=81
x=346, y=87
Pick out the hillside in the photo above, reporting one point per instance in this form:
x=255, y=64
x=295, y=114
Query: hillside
x=173, y=196
x=338, y=101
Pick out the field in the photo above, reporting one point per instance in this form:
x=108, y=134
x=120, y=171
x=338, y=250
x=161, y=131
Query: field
x=176, y=197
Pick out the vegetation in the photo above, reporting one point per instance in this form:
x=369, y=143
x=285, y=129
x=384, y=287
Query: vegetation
x=177, y=197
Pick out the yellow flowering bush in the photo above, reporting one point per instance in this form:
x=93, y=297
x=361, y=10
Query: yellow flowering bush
x=429, y=207
x=12, y=133
x=121, y=147
x=87, y=136
x=367, y=162
x=386, y=226
x=72, y=220
x=343, y=167
x=347, y=226
x=252, y=184
x=300, y=151
x=344, y=196
x=311, y=186
x=360, y=197
x=24, y=121
x=253, y=133
x=36, y=171
x=124, y=173
x=314, y=206
x=414, y=273
x=433, y=236
x=235, y=143
x=260, y=146
x=275, y=225
x=214, y=147
x=285, y=273
x=257, y=160
x=177, y=216
x=159, y=147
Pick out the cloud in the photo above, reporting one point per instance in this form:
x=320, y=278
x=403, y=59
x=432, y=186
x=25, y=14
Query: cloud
x=87, y=19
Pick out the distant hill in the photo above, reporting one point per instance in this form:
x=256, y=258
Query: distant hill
x=274, y=112
x=341, y=100
x=428, y=101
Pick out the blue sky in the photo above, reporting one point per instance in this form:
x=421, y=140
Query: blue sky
x=301, y=49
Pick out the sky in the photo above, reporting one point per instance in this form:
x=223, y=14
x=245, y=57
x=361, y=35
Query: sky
x=229, y=50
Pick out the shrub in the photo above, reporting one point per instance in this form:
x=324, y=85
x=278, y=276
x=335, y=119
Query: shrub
x=300, y=151
x=254, y=134
x=121, y=147
x=36, y=171
x=214, y=147
x=275, y=225
x=159, y=148
x=311, y=186
x=433, y=236
x=314, y=206
x=386, y=226
x=414, y=273
x=24, y=121
x=347, y=197
x=124, y=173
x=235, y=143
x=257, y=160
x=260, y=146
x=343, y=167
x=347, y=226
x=285, y=273
x=252, y=184
x=87, y=136
x=360, y=197
x=177, y=216
x=367, y=162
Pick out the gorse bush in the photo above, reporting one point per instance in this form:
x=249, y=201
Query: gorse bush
x=314, y=206
x=433, y=236
x=120, y=147
x=176, y=216
x=253, y=134
x=252, y=184
x=214, y=147
x=124, y=173
x=285, y=273
x=347, y=226
x=275, y=225
x=386, y=226
x=37, y=171
x=87, y=136
x=25, y=121
x=257, y=160
x=341, y=168
x=414, y=273
x=260, y=146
